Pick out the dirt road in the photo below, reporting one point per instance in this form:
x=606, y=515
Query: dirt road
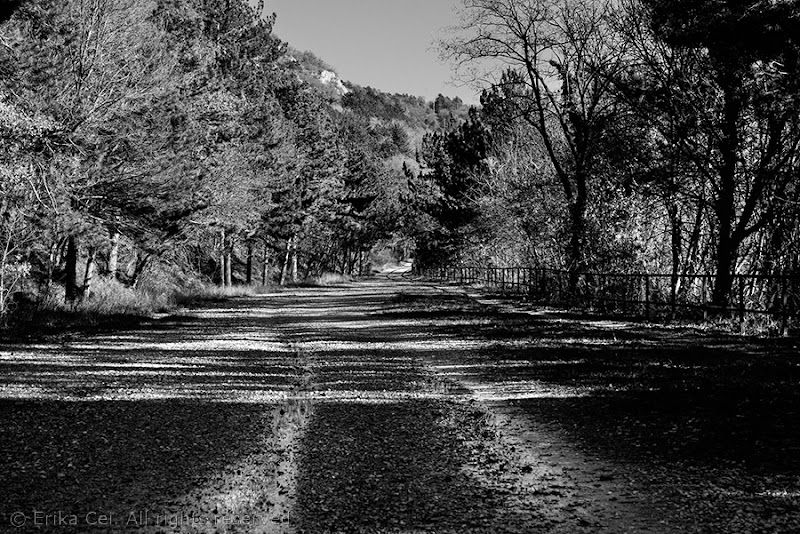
x=392, y=406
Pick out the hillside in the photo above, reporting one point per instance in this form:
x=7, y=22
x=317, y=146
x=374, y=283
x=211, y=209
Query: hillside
x=416, y=115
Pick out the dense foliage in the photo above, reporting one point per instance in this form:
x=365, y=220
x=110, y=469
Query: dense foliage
x=183, y=137
x=632, y=136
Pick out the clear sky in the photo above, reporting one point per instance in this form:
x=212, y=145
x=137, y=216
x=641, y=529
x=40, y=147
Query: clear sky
x=386, y=44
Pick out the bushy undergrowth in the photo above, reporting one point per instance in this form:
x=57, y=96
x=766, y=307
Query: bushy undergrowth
x=110, y=297
x=113, y=304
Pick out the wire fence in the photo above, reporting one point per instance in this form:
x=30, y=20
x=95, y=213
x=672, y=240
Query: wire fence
x=640, y=294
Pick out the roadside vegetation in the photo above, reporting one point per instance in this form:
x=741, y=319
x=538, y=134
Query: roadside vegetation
x=622, y=137
x=147, y=142
x=149, y=157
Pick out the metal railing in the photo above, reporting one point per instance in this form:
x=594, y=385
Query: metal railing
x=640, y=294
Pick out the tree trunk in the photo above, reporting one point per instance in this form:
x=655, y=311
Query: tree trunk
x=229, y=262
x=52, y=261
x=265, y=265
x=249, y=274
x=723, y=276
x=72, y=290
x=676, y=247
x=131, y=268
x=141, y=265
x=727, y=243
x=3, y=262
x=228, y=268
x=222, y=257
x=725, y=205
x=576, y=243
x=88, y=275
x=113, y=255
x=693, y=254
x=294, y=259
x=285, y=269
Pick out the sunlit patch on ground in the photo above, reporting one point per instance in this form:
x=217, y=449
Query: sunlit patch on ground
x=780, y=494
x=524, y=390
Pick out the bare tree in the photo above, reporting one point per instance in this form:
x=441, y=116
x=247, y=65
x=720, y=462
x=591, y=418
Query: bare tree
x=559, y=57
x=718, y=86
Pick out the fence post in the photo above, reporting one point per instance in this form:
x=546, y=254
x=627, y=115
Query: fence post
x=647, y=296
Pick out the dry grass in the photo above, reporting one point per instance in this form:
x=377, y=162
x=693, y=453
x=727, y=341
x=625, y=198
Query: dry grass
x=327, y=279
x=111, y=297
x=111, y=304
x=209, y=292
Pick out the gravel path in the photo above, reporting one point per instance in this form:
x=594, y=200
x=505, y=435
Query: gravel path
x=383, y=406
x=403, y=441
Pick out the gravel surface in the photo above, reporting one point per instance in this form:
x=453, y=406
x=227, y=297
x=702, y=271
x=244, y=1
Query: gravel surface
x=390, y=405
